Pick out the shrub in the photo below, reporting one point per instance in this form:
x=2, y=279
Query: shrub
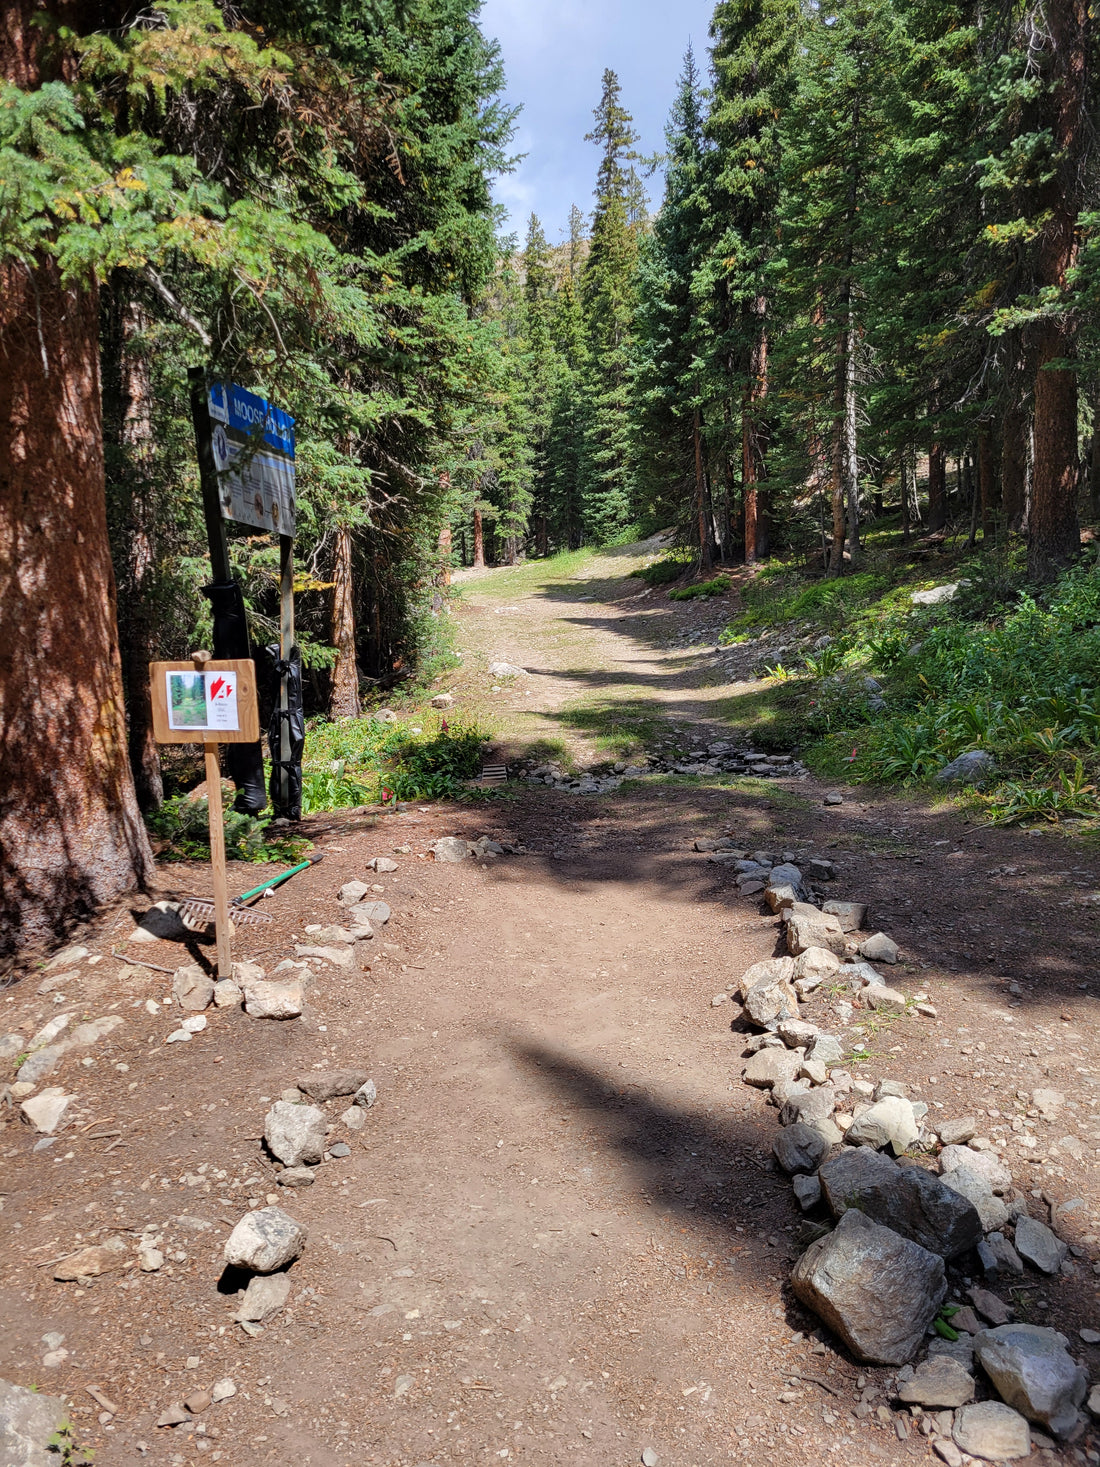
x=718, y=587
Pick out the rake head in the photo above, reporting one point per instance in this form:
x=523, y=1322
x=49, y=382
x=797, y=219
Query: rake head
x=197, y=913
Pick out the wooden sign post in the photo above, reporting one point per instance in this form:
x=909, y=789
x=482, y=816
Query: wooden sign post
x=211, y=703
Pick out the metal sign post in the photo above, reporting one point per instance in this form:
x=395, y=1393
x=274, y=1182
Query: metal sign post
x=246, y=461
x=212, y=703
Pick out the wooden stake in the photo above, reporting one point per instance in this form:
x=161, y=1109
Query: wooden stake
x=217, y=861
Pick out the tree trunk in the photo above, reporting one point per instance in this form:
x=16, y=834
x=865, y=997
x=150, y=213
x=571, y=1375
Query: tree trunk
x=851, y=449
x=138, y=640
x=903, y=468
x=479, y=540
x=986, y=479
x=1094, y=476
x=705, y=558
x=937, y=487
x=1014, y=430
x=445, y=542
x=752, y=430
x=71, y=835
x=344, y=693
x=838, y=477
x=1054, y=535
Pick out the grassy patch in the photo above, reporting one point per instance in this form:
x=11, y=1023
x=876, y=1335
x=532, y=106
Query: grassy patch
x=619, y=731
x=668, y=568
x=719, y=586
x=521, y=580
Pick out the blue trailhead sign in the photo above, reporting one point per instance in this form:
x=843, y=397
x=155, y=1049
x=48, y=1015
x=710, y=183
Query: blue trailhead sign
x=254, y=453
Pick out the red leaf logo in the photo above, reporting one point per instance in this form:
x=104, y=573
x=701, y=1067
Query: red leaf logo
x=217, y=685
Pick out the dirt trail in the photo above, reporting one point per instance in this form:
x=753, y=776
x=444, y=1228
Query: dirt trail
x=559, y=1238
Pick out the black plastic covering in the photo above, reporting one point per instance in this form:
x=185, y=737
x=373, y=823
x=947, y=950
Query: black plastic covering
x=286, y=774
x=244, y=762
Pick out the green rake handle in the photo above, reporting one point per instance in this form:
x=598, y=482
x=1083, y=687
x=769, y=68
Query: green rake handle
x=275, y=880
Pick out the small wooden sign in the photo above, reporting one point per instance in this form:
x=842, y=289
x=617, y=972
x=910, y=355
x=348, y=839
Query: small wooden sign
x=203, y=702
x=210, y=703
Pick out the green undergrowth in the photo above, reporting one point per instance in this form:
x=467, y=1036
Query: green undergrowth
x=669, y=567
x=348, y=762
x=902, y=689
x=618, y=731
x=719, y=586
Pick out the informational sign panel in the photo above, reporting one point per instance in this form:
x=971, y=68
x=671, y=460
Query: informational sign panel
x=254, y=454
x=211, y=703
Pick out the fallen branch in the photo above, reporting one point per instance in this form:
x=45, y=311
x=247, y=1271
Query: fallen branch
x=816, y=1380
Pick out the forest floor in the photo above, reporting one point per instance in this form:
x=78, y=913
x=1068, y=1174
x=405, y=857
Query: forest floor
x=559, y=1237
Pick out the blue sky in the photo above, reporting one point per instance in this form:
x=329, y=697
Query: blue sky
x=554, y=53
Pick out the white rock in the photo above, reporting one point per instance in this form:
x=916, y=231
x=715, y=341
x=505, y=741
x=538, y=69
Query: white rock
x=381, y=864
x=339, y=957
x=192, y=988
x=222, y=1390
x=195, y=1024
x=46, y=1112
x=506, y=669
x=49, y=1032
x=274, y=1000
x=227, y=995
x=150, y=1259
x=985, y=1163
x=449, y=848
x=879, y=949
x=296, y=1133
x=265, y=1240
x=180, y=1036
x=353, y=892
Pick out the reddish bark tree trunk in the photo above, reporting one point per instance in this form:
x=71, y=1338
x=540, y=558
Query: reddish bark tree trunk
x=479, y=540
x=752, y=432
x=445, y=543
x=344, y=694
x=937, y=487
x=138, y=640
x=71, y=835
x=1054, y=535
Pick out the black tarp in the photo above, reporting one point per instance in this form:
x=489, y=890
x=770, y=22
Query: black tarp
x=244, y=762
x=286, y=774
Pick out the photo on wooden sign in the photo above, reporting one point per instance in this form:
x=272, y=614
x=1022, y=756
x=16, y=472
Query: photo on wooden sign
x=202, y=700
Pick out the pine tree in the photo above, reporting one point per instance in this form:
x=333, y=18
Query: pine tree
x=607, y=293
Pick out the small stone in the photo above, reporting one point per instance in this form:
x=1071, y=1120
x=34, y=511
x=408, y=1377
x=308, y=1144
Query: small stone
x=989, y=1306
x=815, y=966
x=833, y=797
x=797, y=1033
x=198, y=1402
x=808, y=1106
x=984, y=1163
x=779, y=896
x=768, y=1066
x=366, y=1095
x=888, y=999
x=370, y=911
x=322, y=1085
x=649, y=1457
x=227, y=995
x=266, y=1000
x=992, y=1431
x=827, y=1050
x=150, y=1260
x=93, y=1261
x=506, y=669
x=339, y=957
x=814, y=1071
x=295, y=1133
x=770, y=1001
x=927, y=1010
x=223, y=1390
x=340, y=1150
x=11, y=1045
x=443, y=700
x=353, y=892
x=939, y=1382
x=851, y=915
x=179, y=1036
x=966, y=1319
x=818, y=931
x=799, y=1148
x=192, y=989
x=1036, y=1243
x=265, y=1240
x=46, y=1112
x=778, y=970
x=66, y=957
x=195, y=1024
x=174, y=1415
x=957, y=1132
x=1033, y=1372
x=807, y=1189
x=1048, y=1103
x=888, y=1122
x=296, y=1176
x=1090, y=1336
x=266, y=1295
x=381, y=864
x=877, y=1290
x=450, y=848
x=879, y=949
x=353, y=1118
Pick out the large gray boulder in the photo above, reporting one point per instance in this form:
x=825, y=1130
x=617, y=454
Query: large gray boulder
x=265, y=1240
x=876, y=1289
x=781, y=969
x=768, y=1067
x=986, y=1163
x=1033, y=1372
x=27, y=1421
x=907, y=1199
x=969, y=768
x=296, y=1133
x=804, y=931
